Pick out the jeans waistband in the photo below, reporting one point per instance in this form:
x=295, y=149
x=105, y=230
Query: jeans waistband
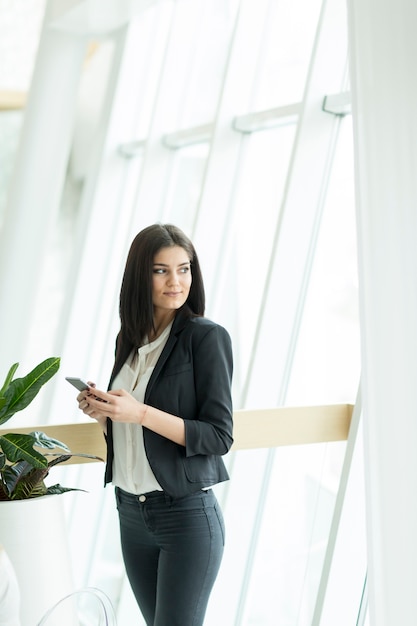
x=152, y=495
x=141, y=497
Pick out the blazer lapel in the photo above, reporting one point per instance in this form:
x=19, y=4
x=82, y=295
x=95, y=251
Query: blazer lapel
x=178, y=325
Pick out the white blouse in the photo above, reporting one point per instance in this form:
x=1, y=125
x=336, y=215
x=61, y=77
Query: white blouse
x=131, y=469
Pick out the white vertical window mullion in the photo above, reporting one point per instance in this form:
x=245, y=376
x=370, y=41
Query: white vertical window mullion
x=37, y=183
x=91, y=292
x=158, y=161
x=300, y=214
x=215, y=214
x=345, y=557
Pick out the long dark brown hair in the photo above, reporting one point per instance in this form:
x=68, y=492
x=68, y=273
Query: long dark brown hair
x=136, y=304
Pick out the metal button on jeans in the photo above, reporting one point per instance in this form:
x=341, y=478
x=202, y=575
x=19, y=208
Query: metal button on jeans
x=142, y=498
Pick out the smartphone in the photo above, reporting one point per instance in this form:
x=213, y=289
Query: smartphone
x=80, y=384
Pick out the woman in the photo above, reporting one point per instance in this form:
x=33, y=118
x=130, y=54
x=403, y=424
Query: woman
x=168, y=420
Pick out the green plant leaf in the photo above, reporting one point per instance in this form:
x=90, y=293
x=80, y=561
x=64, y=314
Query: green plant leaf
x=9, y=378
x=18, y=447
x=29, y=489
x=6, y=383
x=93, y=457
x=57, y=489
x=43, y=441
x=23, y=467
x=21, y=481
x=11, y=476
x=61, y=458
x=20, y=392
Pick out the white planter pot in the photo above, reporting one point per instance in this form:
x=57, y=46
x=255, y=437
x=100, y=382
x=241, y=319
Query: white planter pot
x=33, y=533
x=9, y=592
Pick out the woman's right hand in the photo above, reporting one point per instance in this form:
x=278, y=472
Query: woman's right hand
x=84, y=406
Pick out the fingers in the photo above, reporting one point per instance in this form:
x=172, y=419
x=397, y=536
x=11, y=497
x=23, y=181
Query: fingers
x=118, y=392
x=117, y=404
x=89, y=410
x=82, y=397
x=84, y=406
x=102, y=396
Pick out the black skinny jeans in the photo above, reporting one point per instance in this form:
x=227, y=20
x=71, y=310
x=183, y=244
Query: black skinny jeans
x=172, y=549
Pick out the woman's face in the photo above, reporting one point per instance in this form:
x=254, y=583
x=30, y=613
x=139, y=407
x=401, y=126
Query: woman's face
x=171, y=280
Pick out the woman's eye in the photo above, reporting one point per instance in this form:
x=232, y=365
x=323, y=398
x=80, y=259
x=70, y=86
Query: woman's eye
x=163, y=270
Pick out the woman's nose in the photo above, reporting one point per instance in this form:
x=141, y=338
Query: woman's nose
x=173, y=279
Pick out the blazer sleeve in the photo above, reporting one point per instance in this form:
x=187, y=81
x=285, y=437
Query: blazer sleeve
x=212, y=430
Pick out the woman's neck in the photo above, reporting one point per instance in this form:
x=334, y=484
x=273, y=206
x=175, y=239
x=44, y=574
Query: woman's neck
x=160, y=323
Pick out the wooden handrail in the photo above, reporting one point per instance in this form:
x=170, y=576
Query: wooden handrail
x=12, y=100
x=262, y=428
x=287, y=426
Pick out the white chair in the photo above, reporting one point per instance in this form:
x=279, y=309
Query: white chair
x=84, y=607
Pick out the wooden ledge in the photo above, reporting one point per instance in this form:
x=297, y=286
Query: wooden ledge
x=262, y=428
x=12, y=100
x=287, y=426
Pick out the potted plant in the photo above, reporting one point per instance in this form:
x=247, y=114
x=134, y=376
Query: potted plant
x=31, y=522
x=23, y=467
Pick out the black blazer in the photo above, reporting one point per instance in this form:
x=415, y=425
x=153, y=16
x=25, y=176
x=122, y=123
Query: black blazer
x=192, y=379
